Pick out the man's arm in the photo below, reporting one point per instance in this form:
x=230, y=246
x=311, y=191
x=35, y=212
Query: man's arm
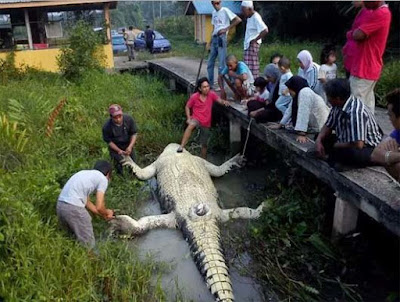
x=261, y=35
x=131, y=144
x=99, y=208
x=319, y=147
x=359, y=35
x=235, y=21
x=187, y=111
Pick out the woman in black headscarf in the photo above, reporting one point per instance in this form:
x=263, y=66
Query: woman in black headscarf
x=267, y=112
x=308, y=111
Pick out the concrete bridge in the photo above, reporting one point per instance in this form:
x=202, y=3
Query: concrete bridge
x=369, y=190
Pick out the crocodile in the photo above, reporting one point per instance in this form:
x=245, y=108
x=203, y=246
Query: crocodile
x=188, y=200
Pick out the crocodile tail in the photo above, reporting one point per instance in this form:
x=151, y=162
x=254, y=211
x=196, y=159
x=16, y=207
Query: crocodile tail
x=204, y=241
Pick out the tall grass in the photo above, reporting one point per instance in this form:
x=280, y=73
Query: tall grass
x=38, y=262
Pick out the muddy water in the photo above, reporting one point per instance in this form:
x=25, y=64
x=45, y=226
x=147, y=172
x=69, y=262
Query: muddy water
x=182, y=281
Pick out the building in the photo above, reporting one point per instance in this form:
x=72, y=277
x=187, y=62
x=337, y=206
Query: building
x=36, y=29
x=202, y=10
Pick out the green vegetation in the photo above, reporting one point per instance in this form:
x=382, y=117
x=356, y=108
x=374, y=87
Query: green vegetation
x=83, y=53
x=38, y=262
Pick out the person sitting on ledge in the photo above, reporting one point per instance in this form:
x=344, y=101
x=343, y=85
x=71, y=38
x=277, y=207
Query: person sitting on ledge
x=266, y=111
x=238, y=77
x=388, y=151
x=357, y=132
x=307, y=109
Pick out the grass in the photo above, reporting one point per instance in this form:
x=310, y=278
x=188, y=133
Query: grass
x=38, y=262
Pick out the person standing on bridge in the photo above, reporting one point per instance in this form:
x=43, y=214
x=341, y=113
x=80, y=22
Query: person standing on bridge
x=370, y=36
x=199, y=114
x=256, y=30
x=223, y=19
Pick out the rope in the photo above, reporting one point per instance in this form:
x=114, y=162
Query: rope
x=247, y=136
x=386, y=174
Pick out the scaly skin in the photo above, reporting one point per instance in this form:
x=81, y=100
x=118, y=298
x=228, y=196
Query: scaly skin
x=189, y=197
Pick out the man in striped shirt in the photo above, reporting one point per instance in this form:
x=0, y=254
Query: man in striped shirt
x=357, y=132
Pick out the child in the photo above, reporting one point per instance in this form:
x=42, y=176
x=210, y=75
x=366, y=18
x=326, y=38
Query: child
x=198, y=114
x=328, y=68
x=284, y=99
x=261, y=94
x=308, y=70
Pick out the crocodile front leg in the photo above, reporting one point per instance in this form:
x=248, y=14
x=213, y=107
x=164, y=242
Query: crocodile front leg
x=142, y=174
x=218, y=171
x=241, y=213
x=126, y=225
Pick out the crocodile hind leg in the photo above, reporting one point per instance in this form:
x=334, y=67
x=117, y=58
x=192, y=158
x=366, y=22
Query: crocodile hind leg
x=126, y=225
x=241, y=213
x=218, y=171
x=143, y=174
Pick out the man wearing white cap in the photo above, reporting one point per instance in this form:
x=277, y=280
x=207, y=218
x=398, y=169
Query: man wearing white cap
x=223, y=19
x=256, y=29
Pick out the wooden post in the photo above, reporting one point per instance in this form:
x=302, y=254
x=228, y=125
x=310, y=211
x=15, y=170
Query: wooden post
x=107, y=19
x=234, y=136
x=344, y=219
x=28, y=29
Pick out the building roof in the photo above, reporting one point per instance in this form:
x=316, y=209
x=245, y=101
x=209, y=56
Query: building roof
x=206, y=8
x=12, y=4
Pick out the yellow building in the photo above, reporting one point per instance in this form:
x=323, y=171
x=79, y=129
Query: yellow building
x=202, y=11
x=37, y=29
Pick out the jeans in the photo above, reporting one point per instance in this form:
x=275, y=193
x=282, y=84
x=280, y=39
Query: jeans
x=218, y=48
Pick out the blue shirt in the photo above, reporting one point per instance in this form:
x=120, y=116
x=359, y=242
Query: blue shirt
x=241, y=68
x=396, y=135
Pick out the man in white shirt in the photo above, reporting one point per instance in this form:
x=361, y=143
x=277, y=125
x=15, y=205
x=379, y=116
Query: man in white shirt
x=74, y=201
x=223, y=19
x=256, y=30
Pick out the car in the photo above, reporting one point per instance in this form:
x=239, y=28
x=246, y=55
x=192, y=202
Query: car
x=161, y=44
x=118, y=44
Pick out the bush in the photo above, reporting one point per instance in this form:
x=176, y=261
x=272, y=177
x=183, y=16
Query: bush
x=83, y=53
x=172, y=27
x=389, y=80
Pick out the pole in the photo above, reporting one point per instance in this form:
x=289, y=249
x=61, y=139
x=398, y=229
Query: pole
x=28, y=29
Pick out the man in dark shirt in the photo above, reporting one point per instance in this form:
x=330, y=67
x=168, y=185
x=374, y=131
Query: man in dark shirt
x=357, y=132
x=149, y=36
x=120, y=132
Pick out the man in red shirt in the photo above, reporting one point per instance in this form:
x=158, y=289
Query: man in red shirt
x=198, y=114
x=371, y=36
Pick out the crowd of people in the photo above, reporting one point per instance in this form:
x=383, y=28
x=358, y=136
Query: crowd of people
x=340, y=112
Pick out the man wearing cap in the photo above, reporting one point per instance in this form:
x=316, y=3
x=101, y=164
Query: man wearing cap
x=223, y=19
x=120, y=132
x=74, y=201
x=255, y=31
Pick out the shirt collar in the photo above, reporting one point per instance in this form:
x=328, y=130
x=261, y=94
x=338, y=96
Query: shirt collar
x=347, y=104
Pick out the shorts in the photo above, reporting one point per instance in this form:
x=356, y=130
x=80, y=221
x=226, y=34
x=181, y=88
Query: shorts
x=204, y=132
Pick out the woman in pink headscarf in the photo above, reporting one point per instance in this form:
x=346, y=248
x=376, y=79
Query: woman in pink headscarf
x=349, y=50
x=309, y=70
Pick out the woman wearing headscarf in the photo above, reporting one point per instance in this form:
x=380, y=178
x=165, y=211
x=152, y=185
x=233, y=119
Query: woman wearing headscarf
x=308, y=110
x=267, y=112
x=309, y=70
